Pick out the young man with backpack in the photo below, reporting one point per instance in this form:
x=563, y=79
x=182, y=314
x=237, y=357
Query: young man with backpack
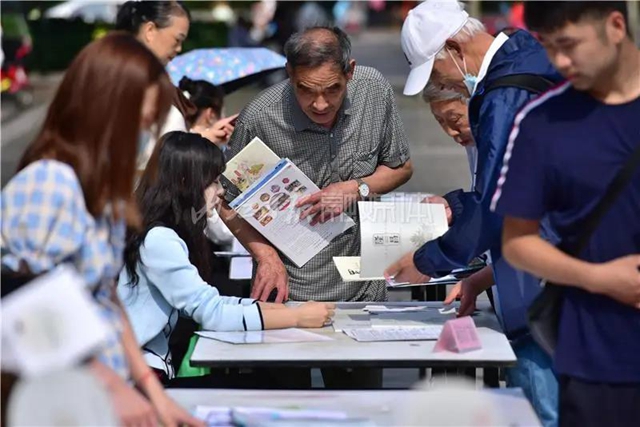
x=574, y=157
x=447, y=48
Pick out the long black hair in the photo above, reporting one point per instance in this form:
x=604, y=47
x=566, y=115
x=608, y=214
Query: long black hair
x=203, y=94
x=171, y=194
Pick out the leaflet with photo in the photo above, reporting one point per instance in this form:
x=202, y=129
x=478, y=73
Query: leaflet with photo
x=269, y=206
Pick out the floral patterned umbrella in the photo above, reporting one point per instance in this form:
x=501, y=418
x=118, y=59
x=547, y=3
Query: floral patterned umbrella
x=229, y=67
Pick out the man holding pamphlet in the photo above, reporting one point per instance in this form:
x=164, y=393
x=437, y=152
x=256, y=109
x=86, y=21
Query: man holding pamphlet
x=315, y=144
x=329, y=136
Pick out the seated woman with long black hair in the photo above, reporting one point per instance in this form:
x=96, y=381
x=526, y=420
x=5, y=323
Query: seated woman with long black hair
x=167, y=263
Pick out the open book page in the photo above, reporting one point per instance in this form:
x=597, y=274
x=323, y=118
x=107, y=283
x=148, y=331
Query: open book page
x=250, y=164
x=269, y=206
x=389, y=230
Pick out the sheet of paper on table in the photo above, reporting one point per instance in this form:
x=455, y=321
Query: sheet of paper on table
x=388, y=230
x=241, y=267
x=276, y=336
x=374, y=309
x=425, y=333
x=349, y=269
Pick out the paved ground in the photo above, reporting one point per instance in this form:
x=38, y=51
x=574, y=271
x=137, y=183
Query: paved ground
x=440, y=165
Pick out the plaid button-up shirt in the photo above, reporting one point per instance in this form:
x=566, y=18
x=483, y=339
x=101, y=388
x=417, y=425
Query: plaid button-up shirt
x=45, y=222
x=367, y=133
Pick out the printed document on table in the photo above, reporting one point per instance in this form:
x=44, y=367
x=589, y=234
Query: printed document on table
x=389, y=230
x=431, y=332
x=349, y=269
x=269, y=206
x=275, y=336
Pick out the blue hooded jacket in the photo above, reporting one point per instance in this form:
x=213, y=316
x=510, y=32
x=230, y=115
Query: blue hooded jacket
x=475, y=228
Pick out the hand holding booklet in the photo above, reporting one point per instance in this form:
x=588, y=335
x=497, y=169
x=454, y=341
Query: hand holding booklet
x=270, y=188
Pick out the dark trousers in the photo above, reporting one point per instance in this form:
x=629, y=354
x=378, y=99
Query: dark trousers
x=585, y=404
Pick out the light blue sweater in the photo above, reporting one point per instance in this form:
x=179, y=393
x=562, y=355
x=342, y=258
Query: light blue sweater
x=170, y=286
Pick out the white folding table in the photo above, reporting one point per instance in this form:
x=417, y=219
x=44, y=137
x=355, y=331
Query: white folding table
x=344, y=352
x=380, y=407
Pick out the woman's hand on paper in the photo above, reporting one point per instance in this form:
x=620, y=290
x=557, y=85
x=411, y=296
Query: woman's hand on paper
x=270, y=275
x=329, y=202
x=314, y=314
x=405, y=271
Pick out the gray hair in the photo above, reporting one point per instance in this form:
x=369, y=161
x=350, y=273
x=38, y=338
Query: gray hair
x=432, y=93
x=466, y=33
x=318, y=45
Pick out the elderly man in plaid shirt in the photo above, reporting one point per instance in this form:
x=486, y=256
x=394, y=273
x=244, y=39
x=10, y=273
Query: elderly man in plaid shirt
x=340, y=125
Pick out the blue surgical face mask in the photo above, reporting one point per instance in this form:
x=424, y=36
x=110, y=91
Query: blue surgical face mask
x=469, y=80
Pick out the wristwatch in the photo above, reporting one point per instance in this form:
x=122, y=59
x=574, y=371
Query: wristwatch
x=363, y=188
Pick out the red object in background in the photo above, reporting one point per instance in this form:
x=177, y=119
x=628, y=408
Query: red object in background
x=13, y=75
x=516, y=17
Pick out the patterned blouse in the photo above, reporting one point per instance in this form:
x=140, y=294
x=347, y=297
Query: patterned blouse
x=45, y=222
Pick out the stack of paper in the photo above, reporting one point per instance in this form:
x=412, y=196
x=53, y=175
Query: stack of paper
x=414, y=319
x=424, y=333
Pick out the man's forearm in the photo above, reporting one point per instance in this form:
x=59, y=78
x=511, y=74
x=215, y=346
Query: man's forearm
x=253, y=241
x=386, y=179
x=533, y=254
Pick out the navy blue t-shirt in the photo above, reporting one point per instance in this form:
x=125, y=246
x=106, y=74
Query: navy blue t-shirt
x=565, y=149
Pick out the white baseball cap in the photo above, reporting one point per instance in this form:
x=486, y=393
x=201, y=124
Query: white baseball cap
x=424, y=33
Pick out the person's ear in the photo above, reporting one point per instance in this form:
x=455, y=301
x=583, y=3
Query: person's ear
x=210, y=115
x=289, y=69
x=148, y=31
x=352, y=68
x=454, y=47
x=616, y=27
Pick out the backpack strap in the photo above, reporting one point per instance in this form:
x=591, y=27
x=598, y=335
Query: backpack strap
x=530, y=82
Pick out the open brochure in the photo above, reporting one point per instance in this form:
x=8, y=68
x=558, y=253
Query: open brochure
x=268, y=204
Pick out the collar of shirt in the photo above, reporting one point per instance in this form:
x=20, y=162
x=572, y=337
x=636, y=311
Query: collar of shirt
x=302, y=122
x=493, y=49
